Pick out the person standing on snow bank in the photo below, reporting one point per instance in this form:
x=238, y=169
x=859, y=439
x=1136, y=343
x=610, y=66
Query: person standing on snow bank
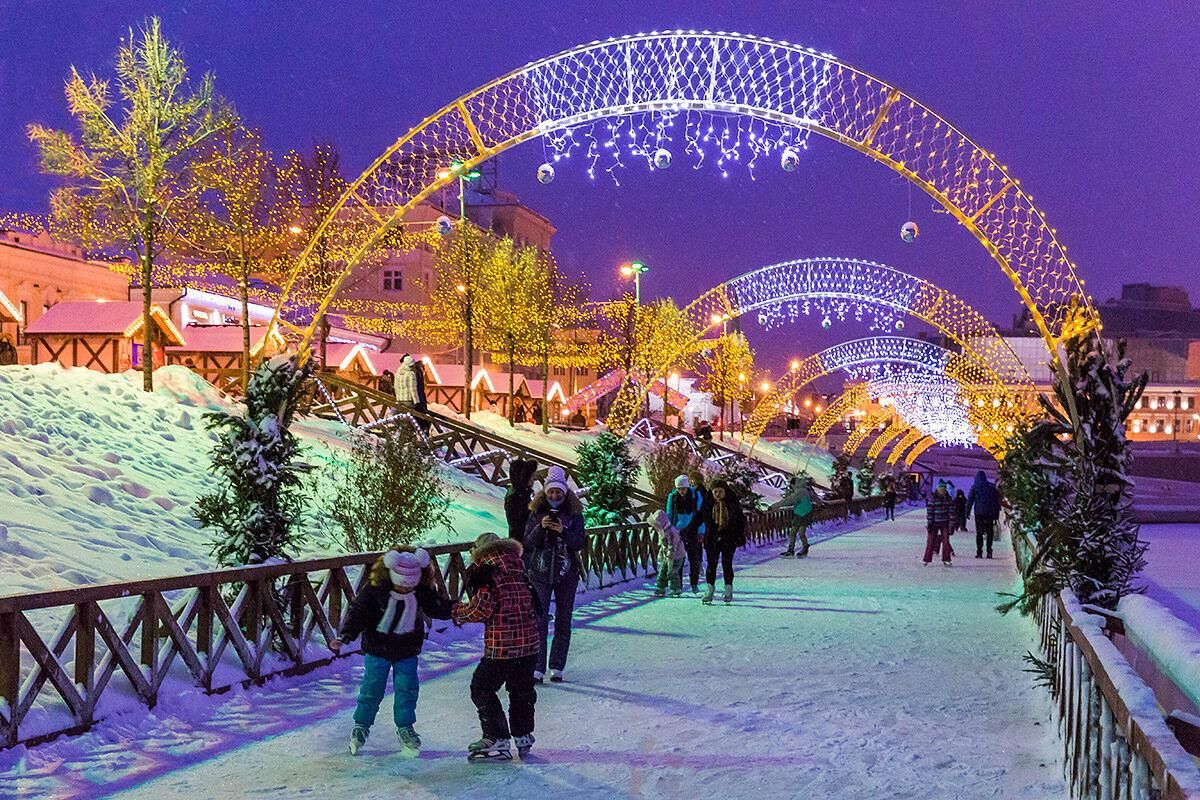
x=502, y=599
x=685, y=508
x=984, y=500
x=406, y=385
x=800, y=499
x=554, y=537
x=939, y=516
x=726, y=523
x=388, y=614
x=671, y=552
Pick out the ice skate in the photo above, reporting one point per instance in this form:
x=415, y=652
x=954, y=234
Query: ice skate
x=524, y=744
x=708, y=594
x=489, y=750
x=358, y=737
x=787, y=554
x=728, y=594
x=660, y=592
x=556, y=676
x=539, y=677
x=803, y=552
x=410, y=742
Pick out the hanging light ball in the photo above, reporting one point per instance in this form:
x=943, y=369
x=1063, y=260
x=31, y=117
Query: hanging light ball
x=899, y=324
x=444, y=225
x=909, y=232
x=762, y=319
x=662, y=158
x=826, y=323
x=545, y=173
x=789, y=160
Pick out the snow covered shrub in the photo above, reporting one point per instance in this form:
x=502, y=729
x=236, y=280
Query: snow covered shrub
x=390, y=492
x=608, y=469
x=741, y=476
x=866, y=477
x=1079, y=510
x=840, y=480
x=256, y=510
x=665, y=462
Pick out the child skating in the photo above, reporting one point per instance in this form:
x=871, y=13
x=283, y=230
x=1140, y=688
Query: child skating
x=388, y=615
x=671, y=553
x=502, y=599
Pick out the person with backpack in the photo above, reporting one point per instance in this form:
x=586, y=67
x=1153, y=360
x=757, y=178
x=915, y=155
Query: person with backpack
x=501, y=597
x=800, y=499
x=685, y=509
x=984, y=500
x=389, y=614
x=554, y=538
x=726, y=523
x=939, y=517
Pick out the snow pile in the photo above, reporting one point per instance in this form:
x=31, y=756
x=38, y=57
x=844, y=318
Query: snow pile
x=1173, y=645
x=98, y=478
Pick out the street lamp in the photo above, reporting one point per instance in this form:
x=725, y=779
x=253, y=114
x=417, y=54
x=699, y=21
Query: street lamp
x=1175, y=426
x=635, y=268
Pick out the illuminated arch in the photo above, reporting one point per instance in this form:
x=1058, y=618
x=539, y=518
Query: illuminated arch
x=906, y=441
x=918, y=448
x=676, y=73
x=897, y=427
x=866, y=427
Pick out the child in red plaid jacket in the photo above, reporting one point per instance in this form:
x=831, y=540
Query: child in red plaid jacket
x=501, y=598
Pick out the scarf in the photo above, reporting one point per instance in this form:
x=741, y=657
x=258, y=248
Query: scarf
x=720, y=515
x=407, y=615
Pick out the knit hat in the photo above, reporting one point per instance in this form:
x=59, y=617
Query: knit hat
x=681, y=482
x=405, y=568
x=556, y=478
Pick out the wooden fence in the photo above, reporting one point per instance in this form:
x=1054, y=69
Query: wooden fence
x=90, y=649
x=1112, y=748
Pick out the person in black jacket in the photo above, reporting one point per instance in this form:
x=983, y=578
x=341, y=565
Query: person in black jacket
x=389, y=614
x=516, y=499
x=554, y=538
x=726, y=532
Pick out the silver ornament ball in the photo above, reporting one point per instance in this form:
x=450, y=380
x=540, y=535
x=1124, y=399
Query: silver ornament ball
x=444, y=225
x=662, y=158
x=909, y=232
x=789, y=160
x=545, y=173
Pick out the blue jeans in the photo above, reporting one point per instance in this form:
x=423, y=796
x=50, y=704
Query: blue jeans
x=374, y=685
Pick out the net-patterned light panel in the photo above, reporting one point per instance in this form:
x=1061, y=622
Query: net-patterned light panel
x=671, y=93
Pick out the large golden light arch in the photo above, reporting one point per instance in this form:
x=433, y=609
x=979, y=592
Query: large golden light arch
x=725, y=73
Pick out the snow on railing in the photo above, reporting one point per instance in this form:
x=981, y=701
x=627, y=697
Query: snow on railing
x=1116, y=742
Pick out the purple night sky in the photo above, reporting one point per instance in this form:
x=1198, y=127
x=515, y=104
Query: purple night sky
x=1095, y=113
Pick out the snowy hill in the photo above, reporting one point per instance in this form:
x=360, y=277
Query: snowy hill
x=98, y=477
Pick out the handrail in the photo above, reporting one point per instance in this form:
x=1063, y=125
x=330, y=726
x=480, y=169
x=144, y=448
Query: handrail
x=237, y=626
x=1112, y=746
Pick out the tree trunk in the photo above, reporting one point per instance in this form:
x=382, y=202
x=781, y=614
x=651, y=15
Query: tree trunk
x=147, y=323
x=546, y=390
x=244, y=287
x=469, y=367
x=511, y=368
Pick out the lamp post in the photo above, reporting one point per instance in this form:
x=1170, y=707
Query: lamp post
x=635, y=269
x=468, y=349
x=459, y=169
x=1175, y=424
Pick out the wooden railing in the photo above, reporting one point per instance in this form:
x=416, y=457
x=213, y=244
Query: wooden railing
x=714, y=453
x=1116, y=743
x=466, y=447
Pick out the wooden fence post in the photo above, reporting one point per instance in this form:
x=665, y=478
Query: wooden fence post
x=10, y=674
x=149, y=654
x=85, y=658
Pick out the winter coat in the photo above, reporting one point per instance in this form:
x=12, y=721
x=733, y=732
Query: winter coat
x=406, y=384
x=939, y=509
x=984, y=498
x=671, y=546
x=733, y=533
x=960, y=507
x=553, y=558
x=501, y=598
x=799, y=498
x=686, y=512
x=368, y=610
x=516, y=500
x=418, y=370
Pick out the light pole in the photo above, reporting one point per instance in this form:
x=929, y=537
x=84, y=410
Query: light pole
x=1175, y=424
x=460, y=170
x=468, y=349
x=635, y=269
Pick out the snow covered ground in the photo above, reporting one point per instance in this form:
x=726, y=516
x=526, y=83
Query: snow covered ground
x=98, y=478
x=1172, y=567
x=855, y=673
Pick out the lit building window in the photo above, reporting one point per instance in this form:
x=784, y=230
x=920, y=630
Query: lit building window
x=1137, y=426
x=393, y=280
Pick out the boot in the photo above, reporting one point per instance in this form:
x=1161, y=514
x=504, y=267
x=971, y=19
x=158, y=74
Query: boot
x=729, y=593
x=410, y=742
x=709, y=589
x=358, y=737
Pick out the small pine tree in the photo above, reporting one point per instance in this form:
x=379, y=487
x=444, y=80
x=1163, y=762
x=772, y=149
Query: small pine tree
x=741, y=477
x=665, y=462
x=840, y=479
x=257, y=509
x=389, y=493
x=866, y=477
x=609, y=471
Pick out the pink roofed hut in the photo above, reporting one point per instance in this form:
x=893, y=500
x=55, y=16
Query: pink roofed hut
x=104, y=336
x=214, y=352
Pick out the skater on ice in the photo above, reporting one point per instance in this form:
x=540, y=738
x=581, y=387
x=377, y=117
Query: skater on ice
x=800, y=499
x=984, y=500
x=671, y=554
x=726, y=523
x=685, y=509
x=389, y=615
x=554, y=537
x=939, y=518
x=500, y=596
